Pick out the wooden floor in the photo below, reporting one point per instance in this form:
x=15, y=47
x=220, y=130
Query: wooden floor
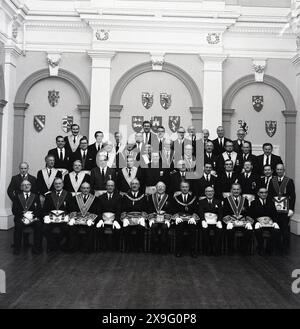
x=116, y=280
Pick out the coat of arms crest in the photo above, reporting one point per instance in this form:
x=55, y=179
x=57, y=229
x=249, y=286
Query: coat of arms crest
x=147, y=100
x=258, y=103
x=66, y=123
x=165, y=100
x=53, y=97
x=174, y=122
x=156, y=122
x=137, y=123
x=270, y=127
x=39, y=122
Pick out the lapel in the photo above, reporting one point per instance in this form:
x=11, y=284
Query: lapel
x=58, y=201
x=49, y=180
x=26, y=204
x=77, y=184
x=84, y=207
x=133, y=174
x=236, y=209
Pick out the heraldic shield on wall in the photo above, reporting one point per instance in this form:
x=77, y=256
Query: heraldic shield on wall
x=155, y=122
x=66, y=123
x=258, y=103
x=165, y=100
x=137, y=123
x=39, y=122
x=271, y=127
x=147, y=100
x=53, y=97
x=174, y=123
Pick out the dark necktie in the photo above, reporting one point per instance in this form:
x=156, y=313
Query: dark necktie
x=74, y=140
x=85, y=198
x=268, y=160
x=61, y=155
x=26, y=196
x=160, y=145
x=58, y=194
x=129, y=172
x=229, y=156
x=108, y=196
x=236, y=201
x=159, y=197
x=83, y=156
x=98, y=147
x=103, y=173
x=49, y=172
x=76, y=177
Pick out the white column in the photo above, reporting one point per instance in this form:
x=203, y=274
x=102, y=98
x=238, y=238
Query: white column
x=6, y=156
x=100, y=92
x=212, y=92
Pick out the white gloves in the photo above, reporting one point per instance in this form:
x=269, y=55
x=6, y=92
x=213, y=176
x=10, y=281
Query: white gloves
x=229, y=226
x=257, y=226
x=46, y=220
x=125, y=222
x=89, y=223
x=276, y=226
x=204, y=224
x=116, y=225
x=100, y=223
x=141, y=221
x=26, y=221
x=178, y=220
x=219, y=224
x=167, y=223
x=72, y=222
x=290, y=213
x=151, y=222
x=192, y=221
x=248, y=226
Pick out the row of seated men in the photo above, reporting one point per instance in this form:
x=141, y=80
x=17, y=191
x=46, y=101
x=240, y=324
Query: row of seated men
x=152, y=150
x=135, y=210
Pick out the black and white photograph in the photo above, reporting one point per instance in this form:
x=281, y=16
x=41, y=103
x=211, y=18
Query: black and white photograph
x=149, y=158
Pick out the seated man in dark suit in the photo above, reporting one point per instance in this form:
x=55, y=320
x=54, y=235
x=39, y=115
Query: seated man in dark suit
x=110, y=204
x=61, y=155
x=206, y=180
x=184, y=208
x=55, y=208
x=15, y=184
x=26, y=208
x=84, y=155
x=177, y=176
x=235, y=208
x=260, y=208
x=159, y=209
x=75, y=178
x=225, y=180
x=97, y=146
x=219, y=142
x=249, y=181
x=239, y=142
x=282, y=190
x=79, y=207
x=46, y=176
x=100, y=175
x=210, y=213
x=246, y=155
x=267, y=158
x=134, y=207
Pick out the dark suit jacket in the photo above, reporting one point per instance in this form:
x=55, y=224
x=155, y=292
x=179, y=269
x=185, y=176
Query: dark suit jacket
x=52, y=201
x=15, y=183
x=215, y=207
x=228, y=211
x=67, y=145
x=258, y=210
x=224, y=183
x=113, y=205
x=275, y=159
x=167, y=207
x=93, y=152
x=249, y=185
x=289, y=192
x=199, y=185
x=65, y=163
x=41, y=185
x=89, y=162
x=221, y=164
x=262, y=182
x=238, y=148
x=213, y=160
x=68, y=184
x=122, y=184
x=151, y=176
x=250, y=157
x=128, y=205
x=153, y=140
x=33, y=205
x=98, y=182
x=72, y=205
x=217, y=148
x=175, y=180
x=178, y=208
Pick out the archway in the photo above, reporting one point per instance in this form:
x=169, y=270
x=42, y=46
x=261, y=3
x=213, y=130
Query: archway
x=20, y=105
x=289, y=113
x=116, y=106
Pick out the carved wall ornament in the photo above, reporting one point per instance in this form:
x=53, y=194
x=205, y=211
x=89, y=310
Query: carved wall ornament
x=259, y=67
x=53, y=60
x=213, y=38
x=53, y=97
x=102, y=34
x=157, y=61
x=243, y=125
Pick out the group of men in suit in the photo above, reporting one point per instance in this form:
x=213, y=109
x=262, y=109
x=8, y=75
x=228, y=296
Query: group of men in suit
x=158, y=177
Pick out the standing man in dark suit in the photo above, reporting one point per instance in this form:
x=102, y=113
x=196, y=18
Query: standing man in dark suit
x=219, y=142
x=61, y=154
x=205, y=133
x=225, y=180
x=210, y=156
x=228, y=154
x=167, y=155
x=206, y=180
x=245, y=155
x=211, y=209
x=176, y=177
x=75, y=178
x=73, y=140
x=239, y=142
x=118, y=149
x=26, y=206
x=148, y=136
x=266, y=179
x=179, y=144
x=46, y=176
x=56, y=203
x=267, y=158
x=14, y=187
x=100, y=175
x=110, y=211
x=97, y=146
x=85, y=155
x=248, y=180
x=282, y=189
x=264, y=206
